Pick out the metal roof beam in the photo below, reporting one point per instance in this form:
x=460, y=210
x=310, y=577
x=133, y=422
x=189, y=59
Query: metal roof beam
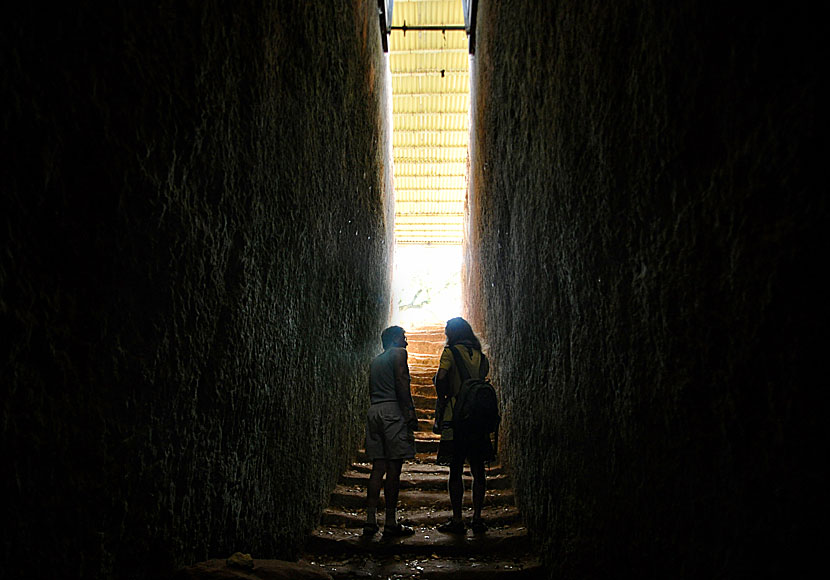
x=428, y=27
x=447, y=148
x=432, y=114
x=456, y=215
x=441, y=94
x=450, y=190
x=429, y=51
x=431, y=73
x=414, y=161
x=432, y=131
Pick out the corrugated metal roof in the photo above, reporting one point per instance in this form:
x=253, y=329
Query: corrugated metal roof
x=430, y=116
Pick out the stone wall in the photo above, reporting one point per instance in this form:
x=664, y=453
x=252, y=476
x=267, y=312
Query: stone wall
x=647, y=240
x=194, y=276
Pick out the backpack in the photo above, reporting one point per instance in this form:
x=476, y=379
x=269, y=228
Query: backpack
x=476, y=409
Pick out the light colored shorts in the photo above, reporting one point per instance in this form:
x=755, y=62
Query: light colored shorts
x=387, y=436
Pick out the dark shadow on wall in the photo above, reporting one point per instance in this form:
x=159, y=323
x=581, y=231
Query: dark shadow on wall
x=193, y=277
x=646, y=257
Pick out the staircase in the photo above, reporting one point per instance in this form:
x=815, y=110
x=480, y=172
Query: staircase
x=504, y=551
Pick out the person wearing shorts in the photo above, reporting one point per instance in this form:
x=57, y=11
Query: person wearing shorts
x=390, y=430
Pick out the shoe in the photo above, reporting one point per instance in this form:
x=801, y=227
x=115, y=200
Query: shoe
x=397, y=531
x=370, y=529
x=452, y=527
x=479, y=526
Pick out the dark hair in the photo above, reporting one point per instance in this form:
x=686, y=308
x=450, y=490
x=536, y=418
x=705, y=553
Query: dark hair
x=390, y=335
x=459, y=330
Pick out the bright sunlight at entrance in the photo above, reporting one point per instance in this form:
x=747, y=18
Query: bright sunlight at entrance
x=429, y=61
x=427, y=285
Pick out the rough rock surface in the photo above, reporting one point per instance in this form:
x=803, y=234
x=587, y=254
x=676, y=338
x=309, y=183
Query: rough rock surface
x=648, y=235
x=193, y=276
x=262, y=570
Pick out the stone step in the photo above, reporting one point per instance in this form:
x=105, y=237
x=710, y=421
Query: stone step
x=426, y=390
x=431, y=467
x=424, y=355
x=324, y=566
x=432, y=326
x=427, y=344
x=427, y=437
x=432, y=567
x=430, y=330
x=355, y=497
x=424, y=401
x=426, y=450
x=427, y=414
x=420, y=459
x=219, y=569
x=423, y=371
x=424, y=481
x=495, y=516
x=423, y=377
x=423, y=359
x=423, y=390
x=425, y=350
x=505, y=541
x=429, y=337
x=426, y=445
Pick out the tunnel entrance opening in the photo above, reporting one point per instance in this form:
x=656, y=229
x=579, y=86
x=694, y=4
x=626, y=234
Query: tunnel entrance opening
x=427, y=284
x=429, y=62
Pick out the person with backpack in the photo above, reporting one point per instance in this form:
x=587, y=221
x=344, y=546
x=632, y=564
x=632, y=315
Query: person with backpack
x=390, y=430
x=467, y=413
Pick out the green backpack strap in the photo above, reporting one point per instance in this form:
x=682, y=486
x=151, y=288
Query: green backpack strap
x=459, y=362
x=464, y=374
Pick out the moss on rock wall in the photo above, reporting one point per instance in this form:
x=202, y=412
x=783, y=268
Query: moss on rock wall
x=194, y=276
x=648, y=229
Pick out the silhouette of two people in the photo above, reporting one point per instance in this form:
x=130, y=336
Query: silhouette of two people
x=391, y=424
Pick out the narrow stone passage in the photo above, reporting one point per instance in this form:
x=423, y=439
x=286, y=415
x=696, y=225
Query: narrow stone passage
x=503, y=551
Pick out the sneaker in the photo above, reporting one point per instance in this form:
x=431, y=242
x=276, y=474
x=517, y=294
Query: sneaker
x=479, y=526
x=452, y=527
x=397, y=531
x=370, y=529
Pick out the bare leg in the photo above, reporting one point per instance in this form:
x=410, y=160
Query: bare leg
x=456, y=488
x=479, y=487
x=393, y=482
x=391, y=527
x=375, y=480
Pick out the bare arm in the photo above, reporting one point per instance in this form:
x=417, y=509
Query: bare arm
x=402, y=392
